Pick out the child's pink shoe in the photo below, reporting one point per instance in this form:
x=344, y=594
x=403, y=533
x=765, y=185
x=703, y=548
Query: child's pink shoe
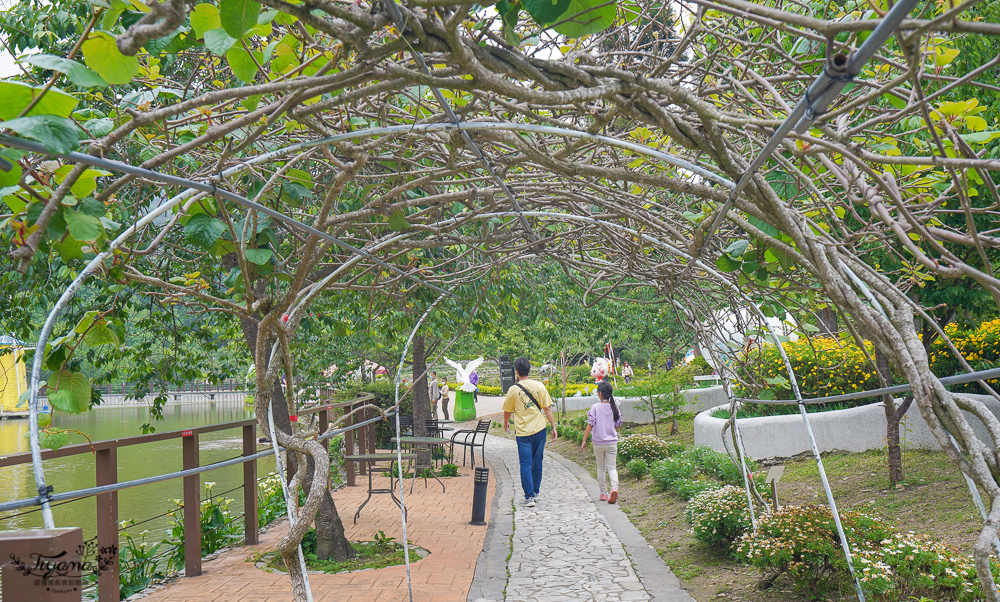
x=613, y=497
x=604, y=497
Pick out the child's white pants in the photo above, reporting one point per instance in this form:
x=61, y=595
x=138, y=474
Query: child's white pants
x=607, y=461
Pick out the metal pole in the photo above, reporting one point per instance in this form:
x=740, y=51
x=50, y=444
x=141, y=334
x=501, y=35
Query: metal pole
x=837, y=73
x=399, y=448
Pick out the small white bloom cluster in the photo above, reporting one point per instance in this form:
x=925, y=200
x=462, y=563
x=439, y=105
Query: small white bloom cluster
x=719, y=516
x=647, y=447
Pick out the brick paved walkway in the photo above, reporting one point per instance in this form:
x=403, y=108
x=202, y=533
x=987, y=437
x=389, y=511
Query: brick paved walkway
x=438, y=522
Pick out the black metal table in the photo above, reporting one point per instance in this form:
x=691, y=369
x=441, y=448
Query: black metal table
x=427, y=442
x=371, y=460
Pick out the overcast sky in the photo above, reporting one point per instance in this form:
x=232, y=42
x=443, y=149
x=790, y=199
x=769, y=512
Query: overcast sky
x=7, y=65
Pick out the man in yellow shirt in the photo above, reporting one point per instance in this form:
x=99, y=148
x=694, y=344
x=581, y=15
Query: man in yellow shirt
x=529, y=402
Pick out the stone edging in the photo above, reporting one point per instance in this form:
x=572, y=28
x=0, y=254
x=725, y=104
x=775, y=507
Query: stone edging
x=490, y=578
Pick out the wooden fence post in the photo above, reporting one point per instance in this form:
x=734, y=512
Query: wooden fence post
x=106, y=466
x=250, y=486
x=192, y=508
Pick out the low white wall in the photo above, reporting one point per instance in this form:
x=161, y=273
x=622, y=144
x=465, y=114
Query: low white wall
x=851, y=430
x=632, y=413
x=628, y=406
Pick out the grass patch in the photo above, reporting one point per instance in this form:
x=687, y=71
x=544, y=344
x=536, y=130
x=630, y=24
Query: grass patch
x=379, y=553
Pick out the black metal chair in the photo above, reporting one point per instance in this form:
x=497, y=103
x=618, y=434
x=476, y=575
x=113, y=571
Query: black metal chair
x=469, y=440
x=406, y=424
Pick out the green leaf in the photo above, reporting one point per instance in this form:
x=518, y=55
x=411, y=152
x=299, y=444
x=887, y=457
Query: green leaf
x=102, y=55
x=80, y=75
x=218, y=41
x=259, y=256
x=44, y=419
x=203, y=230
x=397, y=221
x=586, y=17
x=250, y=103
x=72, y=392
x=93, y=206
x=86, y=321
x=12, y=177
x=546, y=11
x=725, y=263
x=737, y=248
x=53, y=439
x=15, y=96
x=509, y=14
x=56, y=134
x=766, y=394
x=111, y=17
x=99, y=127
x=69, y=249
x=82, y=226
x=205, y=17
x=243, y=64
x=809, y=327
x=85, y=184
x=980, y=137
x=238, y=16
x=100, y=334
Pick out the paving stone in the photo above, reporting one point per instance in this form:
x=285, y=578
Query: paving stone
x=563, y=543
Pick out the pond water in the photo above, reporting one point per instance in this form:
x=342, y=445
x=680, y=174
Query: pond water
x=145, y=503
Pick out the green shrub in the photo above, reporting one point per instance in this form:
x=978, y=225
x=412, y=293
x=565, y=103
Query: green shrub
x=490, y=390
x=802, y=542
x=675, y=447
x=638, y=467
x=669, y=470
x=701, y=365
x=646, y=447
x=687, y=489
x=719, y=516
x=448, y=470
x=717, y=465
x=270, y=500
x=579, y=374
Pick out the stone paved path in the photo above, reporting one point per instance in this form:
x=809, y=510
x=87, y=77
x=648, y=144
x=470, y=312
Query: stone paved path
x=564, y=548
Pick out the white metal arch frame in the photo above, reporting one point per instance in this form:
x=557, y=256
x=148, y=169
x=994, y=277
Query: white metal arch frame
x=211, y=187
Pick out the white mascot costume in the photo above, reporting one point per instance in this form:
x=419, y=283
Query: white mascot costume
x=600, y=369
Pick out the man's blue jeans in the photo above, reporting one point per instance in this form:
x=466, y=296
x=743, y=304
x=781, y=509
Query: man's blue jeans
x=530, y=451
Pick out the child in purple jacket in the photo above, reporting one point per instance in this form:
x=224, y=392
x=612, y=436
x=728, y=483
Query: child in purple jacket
x=604, y=420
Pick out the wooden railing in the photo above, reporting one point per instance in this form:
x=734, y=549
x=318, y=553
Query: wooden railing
x=106, y=468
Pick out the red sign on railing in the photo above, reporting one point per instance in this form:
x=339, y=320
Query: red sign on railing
x=189, y=433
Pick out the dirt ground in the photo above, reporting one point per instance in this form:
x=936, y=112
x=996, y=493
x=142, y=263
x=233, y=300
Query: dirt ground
x=934, y=500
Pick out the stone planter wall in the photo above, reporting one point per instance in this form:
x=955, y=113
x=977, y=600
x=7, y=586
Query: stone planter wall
x=852, y=430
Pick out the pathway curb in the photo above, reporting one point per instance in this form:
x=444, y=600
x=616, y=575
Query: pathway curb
x=490, y=579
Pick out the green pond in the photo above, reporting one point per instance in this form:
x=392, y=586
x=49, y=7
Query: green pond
x=145, y=503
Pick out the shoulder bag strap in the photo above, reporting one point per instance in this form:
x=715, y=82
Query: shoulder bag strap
x=530, y=396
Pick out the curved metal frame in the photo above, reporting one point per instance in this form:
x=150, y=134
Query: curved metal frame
x=211, y=188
